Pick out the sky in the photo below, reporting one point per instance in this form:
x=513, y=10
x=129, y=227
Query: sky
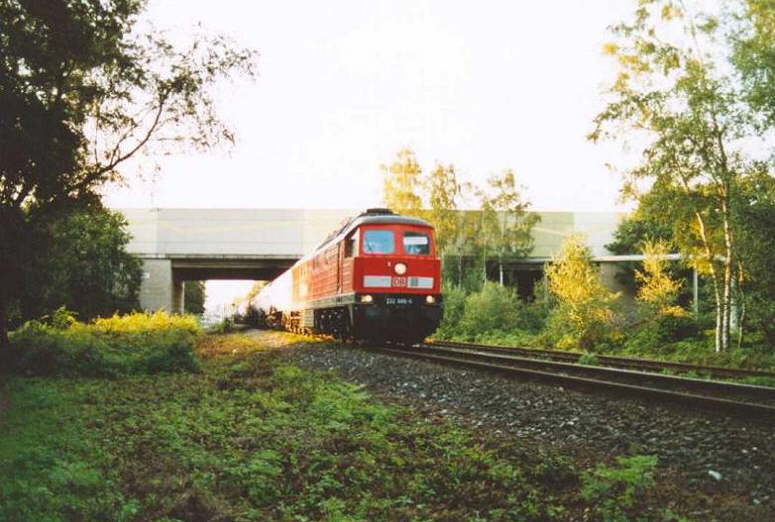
x=342, y=86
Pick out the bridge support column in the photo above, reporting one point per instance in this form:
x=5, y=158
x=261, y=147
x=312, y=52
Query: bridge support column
x=158, y=289
x=178, y=295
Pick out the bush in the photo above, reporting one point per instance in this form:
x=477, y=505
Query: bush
x=120, y=345
x=454, y=307
x=586, y=315
x=494, y=315
x=592, y=330
x=224, y=326
x=660, y=330
x=498, y=309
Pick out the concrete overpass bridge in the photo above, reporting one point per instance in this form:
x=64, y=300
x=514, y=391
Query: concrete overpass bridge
x=178, y=245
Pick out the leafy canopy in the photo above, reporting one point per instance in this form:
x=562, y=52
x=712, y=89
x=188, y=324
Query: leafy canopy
x=84, y=88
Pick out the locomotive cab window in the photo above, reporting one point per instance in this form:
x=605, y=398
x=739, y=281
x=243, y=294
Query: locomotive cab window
x=417, y=243
x=378, y=242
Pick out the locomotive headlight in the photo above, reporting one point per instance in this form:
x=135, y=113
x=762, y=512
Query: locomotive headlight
x=430, y=299
x=367, y=299
x=400, y=268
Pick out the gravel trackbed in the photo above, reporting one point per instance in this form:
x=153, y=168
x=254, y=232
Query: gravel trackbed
x=715, y=454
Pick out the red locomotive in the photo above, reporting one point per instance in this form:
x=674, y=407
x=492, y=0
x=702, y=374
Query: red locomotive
x=376, y=278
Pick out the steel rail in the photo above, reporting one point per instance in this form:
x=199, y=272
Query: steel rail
x=617, y=362
x=674, y=381
x=517, y=366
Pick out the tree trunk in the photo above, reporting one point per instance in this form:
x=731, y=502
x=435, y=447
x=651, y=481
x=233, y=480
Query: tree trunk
x=714, y=277
x=726, y=307
x=3, y=319
x=740, y=325
x=729, y=260
x=740, y=297
x=484, y=265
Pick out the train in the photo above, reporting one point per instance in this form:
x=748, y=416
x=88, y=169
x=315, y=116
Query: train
x=376, y=278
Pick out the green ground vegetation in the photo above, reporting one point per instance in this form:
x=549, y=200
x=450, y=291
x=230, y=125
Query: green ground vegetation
x=577, y=313
x=250, y=437
x=138, y=343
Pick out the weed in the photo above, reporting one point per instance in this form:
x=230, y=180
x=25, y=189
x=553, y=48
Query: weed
x=589, y=359
x=617, y=490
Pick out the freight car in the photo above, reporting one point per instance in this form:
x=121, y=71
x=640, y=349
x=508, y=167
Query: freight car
x=376, y=278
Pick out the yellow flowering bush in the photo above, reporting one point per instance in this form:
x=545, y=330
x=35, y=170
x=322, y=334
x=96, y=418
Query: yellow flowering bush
x=137, y=343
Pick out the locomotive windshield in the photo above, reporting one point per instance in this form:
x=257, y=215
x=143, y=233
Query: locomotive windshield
x=417, y=243
x=378, y=242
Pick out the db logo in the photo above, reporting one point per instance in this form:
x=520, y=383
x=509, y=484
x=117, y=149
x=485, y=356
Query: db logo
x=398, y=281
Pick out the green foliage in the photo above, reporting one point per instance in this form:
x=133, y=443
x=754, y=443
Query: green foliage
x=756, y=220
x=402, y=179
x=120, y=345
x=84, y=267
x=500, y=228
x=52, y=468
x=753, y=42
x=618, y=491
x=84, y=90
x=589, y=359
x=494, y=308
x=454, y=308
x=225, y=325
x=658, y=290
x=494, y=314
x=585, y=314
x=443, y=189
x=194, y=298
x=694, y=349
x=62, y=318
x=630, y=234
x=506, y=226
x=692, y=86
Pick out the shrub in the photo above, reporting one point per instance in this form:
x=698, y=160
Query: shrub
x=586, y=313
x=120, y=345
x=454, y=307
x=662, y=329
x=494, y=308
x=225, y=325
x=494, y=315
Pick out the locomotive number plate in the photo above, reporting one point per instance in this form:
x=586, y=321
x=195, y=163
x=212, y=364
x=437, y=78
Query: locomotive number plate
x=399, y=281
x=398, y=300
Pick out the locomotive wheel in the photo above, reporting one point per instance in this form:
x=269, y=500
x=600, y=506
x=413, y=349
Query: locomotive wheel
x=341, y=324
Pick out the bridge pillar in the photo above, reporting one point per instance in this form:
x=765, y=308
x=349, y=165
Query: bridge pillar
x=178, y=295
x=158, y=289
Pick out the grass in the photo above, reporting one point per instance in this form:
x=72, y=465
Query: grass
x=253, y=438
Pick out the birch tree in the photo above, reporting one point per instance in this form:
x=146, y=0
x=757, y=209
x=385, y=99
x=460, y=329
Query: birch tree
x=585, y=311
x=507, y=225
x=402, y=179
x=678, y=98
x=443, y=191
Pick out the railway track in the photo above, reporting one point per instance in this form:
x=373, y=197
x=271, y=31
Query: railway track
x=752, y=402
x=613, y=362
